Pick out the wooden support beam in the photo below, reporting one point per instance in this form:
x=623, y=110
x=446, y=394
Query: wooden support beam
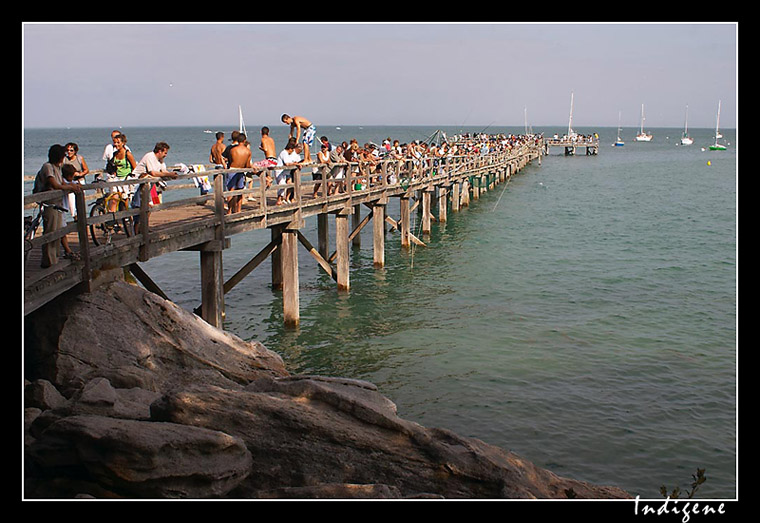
x=251, y=265
x=342, y=250
x=443, y=204
x=378, y=236
x=212, y=288
x=141, y=276
x=426, y=212
x=353, y=235
x=289, y=250
x=277, y=258
x=317, y=256
x=404, y=220
x=356, y=240
x=323, y=230
x=455, y=198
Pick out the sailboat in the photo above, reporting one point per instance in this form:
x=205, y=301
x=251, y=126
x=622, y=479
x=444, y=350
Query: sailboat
x=618, y=142
x=570, y=133
x=642, y=136
x=241, y=124
x=717, y=146
x=686, y=139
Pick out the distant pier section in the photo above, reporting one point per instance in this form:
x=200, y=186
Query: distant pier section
x=572, y=142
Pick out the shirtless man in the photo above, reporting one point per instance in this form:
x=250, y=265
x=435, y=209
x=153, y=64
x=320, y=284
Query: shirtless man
x=270, y=154
x=240, y=158
x=298, y=123
x=215, y=156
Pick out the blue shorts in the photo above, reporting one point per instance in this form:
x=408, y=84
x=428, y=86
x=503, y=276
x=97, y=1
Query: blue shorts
x=308, y=135
x=235, y=181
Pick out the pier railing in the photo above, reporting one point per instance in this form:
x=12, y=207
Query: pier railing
x=186, y=220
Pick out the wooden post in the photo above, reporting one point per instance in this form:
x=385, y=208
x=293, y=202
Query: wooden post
x=355, y=221
x=378, y=226
x=426, y=200
x=404, y=220
x=212, y=274
x=323, y=233
x=84, y=244
x=143, y=224
x=442, y=203
x=212, y=287
x=342, y=251
x=289, y=256
x=455, y=197
x=277, y=258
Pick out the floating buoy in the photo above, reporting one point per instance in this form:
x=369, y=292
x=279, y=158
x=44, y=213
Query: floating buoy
x=708, y=162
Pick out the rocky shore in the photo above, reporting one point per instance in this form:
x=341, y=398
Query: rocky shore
x=128, y=396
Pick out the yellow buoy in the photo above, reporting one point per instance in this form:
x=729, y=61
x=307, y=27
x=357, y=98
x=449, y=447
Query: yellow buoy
x=708, y=162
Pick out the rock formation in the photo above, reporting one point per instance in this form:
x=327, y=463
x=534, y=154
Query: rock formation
x=130, y=396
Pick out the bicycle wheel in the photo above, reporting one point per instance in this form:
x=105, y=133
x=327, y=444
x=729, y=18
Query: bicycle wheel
x=99, y=231
x=30, y=231
x=126, y=223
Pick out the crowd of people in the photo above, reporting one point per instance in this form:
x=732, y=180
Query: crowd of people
x=66, y=169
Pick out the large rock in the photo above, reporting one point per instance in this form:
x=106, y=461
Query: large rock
x=304, y=432
x=144, y=459
x=128, y=395
x=135, y=338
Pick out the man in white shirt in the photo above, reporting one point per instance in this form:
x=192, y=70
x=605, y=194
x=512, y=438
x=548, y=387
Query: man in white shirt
x=152, y=165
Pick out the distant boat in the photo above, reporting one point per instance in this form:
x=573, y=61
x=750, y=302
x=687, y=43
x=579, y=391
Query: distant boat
x=618, y=142
x=570, y=133
x=642, y=136
x=241, y=124
x=717, y=146
x=686, y=139
x=209, y=131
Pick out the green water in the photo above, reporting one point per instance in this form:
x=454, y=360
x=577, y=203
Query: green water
x=583, y=316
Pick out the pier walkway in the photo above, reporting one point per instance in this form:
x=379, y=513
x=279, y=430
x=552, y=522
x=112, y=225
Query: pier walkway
x=201, y=224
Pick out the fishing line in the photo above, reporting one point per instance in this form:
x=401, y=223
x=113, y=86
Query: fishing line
x=502, y=193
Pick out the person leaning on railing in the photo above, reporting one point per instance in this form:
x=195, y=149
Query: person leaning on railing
x=152, y=165
x=49, y=178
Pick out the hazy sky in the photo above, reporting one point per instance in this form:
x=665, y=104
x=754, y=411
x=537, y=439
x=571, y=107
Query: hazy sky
x=95, y=74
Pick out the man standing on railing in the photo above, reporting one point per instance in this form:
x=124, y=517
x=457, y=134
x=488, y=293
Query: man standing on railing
x=49, y=178
x=297, y=124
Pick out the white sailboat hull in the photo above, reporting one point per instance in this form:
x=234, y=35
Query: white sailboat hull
x=643, y=138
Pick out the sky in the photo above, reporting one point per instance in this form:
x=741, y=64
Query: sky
x=460, y=74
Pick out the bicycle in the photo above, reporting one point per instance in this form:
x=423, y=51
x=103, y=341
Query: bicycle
x=32, y=223
x=110, y=203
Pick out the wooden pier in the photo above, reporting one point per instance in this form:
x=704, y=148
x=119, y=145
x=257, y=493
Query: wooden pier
x=201, y=224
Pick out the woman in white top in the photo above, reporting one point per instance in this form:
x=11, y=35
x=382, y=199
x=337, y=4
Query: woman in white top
x=288, y=158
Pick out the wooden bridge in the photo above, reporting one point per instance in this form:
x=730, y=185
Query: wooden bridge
x=202, y=224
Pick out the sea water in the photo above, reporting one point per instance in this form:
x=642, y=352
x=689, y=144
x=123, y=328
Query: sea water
x=583, y=315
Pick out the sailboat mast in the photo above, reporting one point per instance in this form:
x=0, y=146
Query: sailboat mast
x=570, y=123
x=241, y=124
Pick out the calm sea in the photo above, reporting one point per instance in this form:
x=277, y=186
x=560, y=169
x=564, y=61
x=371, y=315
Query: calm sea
x=584, y=315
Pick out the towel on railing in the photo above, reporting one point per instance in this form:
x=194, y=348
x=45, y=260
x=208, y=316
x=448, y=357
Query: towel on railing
x=201, y=181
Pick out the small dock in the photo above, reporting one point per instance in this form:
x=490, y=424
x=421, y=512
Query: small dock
x=202, y=223
x=571, y=144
